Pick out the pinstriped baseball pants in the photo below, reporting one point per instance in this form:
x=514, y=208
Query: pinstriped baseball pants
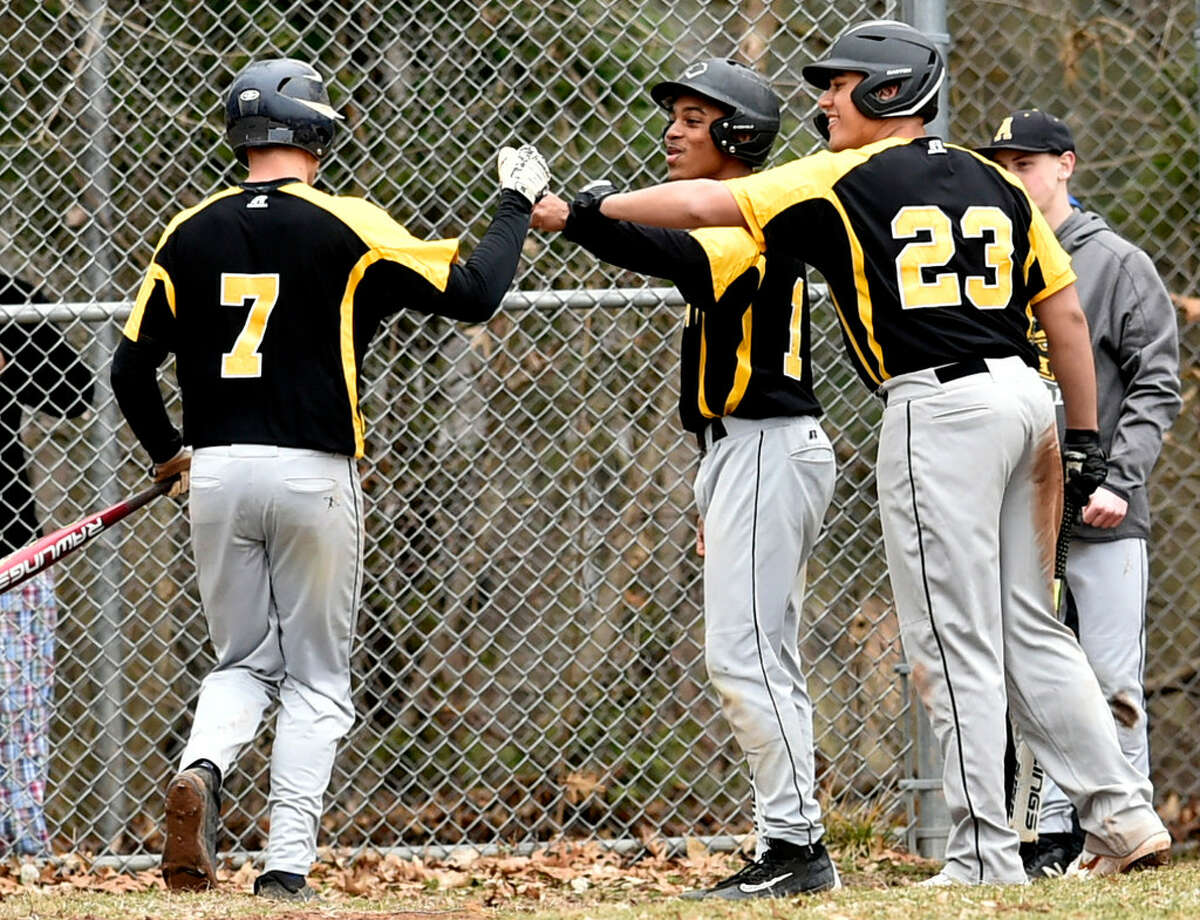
x=763, y=492
x=1108, y=581
x=969, y=491
x=278, y=539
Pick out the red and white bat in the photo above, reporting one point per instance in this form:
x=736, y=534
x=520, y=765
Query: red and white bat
x=25, y=563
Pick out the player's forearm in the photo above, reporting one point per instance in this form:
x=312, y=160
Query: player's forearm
x=1070, y=353
x=135, y=385
x=476, y=288
x=655, y=251
x=684, y=204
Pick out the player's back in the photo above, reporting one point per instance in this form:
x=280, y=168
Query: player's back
x=931, y=253
x=275, y=290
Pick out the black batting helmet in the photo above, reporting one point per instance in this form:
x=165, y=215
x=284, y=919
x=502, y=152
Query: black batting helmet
x=279, y=103
x=751, y=122
x=885, y=52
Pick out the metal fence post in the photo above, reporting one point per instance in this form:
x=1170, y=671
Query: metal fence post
x=101, y=435
x=930, y=17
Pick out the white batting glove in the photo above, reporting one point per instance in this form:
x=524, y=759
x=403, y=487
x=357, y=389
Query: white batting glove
x=523, y=170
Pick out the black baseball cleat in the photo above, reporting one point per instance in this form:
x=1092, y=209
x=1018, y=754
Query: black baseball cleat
x=1051, y=855
x=284, y=886
x=784, y=869
x=193, y=810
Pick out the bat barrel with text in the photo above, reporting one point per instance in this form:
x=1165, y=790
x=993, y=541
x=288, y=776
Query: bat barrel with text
x=25, y=563
x=1030, y=777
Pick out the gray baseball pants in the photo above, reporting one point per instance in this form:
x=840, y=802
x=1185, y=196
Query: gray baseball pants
x=970, y=493
x=277, y=536
x=763, y=491
x=1108, y=582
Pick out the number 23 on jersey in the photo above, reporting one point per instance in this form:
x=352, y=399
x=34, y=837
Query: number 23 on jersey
x=932, y=233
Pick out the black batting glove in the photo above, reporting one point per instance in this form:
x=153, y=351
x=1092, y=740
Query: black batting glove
x=587, y=203
x=1084, y=465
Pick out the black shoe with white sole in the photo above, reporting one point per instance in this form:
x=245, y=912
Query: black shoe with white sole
x=1051, y=855
x=784, y=869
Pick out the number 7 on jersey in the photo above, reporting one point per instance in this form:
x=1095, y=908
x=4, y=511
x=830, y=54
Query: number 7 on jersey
x=262, y=291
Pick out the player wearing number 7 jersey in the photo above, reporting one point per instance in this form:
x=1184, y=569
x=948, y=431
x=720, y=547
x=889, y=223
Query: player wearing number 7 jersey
x=933, y=257
x=268, y=294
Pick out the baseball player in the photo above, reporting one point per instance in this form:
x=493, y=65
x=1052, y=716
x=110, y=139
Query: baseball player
x=766, y=472
x=933, y=255
x=268, y=293
x=1135, y=344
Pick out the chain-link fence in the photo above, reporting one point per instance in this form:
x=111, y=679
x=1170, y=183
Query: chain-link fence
x=529, y=658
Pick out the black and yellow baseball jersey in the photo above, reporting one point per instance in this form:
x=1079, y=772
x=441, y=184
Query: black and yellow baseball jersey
x=916, y=283
x=745, y=344
x=268, y=294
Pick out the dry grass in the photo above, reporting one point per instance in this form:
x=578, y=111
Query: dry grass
x=579, y=883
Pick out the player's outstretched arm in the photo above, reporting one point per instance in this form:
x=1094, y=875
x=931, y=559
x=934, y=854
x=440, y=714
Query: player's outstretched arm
x=476, y=288
x=684, y=204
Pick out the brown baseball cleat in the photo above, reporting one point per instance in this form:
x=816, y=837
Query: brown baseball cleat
x=1151, y=853
x=189, y=859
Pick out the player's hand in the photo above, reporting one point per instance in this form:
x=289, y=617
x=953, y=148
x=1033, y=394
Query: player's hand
x=1084, y=465
x=1105, y=509
x=550, y=213
x=523, y=170
x=180, y=465
x=588, y=201
x=700, y=536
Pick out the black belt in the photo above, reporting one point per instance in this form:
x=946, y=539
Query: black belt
x=718, y=432
x=948, y=372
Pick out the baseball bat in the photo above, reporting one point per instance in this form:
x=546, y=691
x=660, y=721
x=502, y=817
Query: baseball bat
x=40, y=555
x=1027, y=797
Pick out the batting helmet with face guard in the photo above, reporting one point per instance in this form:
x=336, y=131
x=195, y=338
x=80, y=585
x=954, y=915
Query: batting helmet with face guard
x=751, y=120
x=885, y=52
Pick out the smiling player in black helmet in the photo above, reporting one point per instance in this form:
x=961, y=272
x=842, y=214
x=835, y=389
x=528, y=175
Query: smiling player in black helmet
x=767, y=469
x=933, y=257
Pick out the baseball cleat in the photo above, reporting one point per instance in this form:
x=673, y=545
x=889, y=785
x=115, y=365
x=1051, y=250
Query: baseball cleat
x=1051, y=855
x=284, y=886
x=941, y=880
x=784, y=869
x=189, y=859
x=1153, y=852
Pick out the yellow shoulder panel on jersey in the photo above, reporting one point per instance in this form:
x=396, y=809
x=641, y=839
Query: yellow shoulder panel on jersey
x=157, y=273
x=1044, y=246
x=1055, y=263
x=731, y=251
x=431, y=259
x=763, y=195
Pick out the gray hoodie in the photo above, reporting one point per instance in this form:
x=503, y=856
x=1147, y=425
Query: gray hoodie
x=1135, y=340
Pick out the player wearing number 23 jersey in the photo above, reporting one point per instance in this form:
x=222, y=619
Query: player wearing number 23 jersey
x=933, y=258
x=268, y=294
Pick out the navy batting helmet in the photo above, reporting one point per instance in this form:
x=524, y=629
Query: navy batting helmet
x=279, y=103
x=751, y=122
x=886, y=52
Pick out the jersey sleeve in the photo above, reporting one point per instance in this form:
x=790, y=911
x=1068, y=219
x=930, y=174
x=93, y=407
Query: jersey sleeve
x=765, y=194
x=1048, y=261
x=730, y=253
x=385, y=238
x=152, y=320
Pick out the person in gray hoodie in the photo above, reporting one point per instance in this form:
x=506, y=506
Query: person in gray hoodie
x=1136, y=348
